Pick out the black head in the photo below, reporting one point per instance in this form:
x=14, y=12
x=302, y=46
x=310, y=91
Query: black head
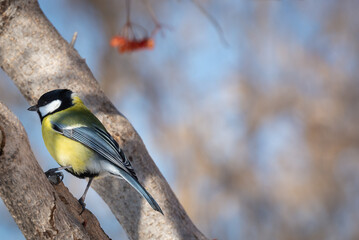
x=53, y=101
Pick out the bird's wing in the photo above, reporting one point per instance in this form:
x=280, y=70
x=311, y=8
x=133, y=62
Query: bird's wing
x=100, y=141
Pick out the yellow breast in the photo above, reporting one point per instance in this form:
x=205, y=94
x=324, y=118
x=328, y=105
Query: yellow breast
x=65, y=151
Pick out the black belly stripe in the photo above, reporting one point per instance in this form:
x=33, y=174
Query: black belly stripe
x=85, y=174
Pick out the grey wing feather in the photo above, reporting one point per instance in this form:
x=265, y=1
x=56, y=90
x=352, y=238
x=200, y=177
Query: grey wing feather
x=99, y=141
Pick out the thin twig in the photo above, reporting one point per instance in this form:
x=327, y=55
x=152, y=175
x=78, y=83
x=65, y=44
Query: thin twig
x=73, y=40
x=152, y=13
x=213, y=21
x=128, y=12
x=158, y=25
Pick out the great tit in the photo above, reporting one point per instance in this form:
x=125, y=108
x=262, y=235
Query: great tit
x=80, y=144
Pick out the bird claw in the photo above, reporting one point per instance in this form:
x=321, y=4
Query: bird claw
x=54, y=177
x=83, y=205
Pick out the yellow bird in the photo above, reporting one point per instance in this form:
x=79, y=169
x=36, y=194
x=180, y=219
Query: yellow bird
x=80, y=144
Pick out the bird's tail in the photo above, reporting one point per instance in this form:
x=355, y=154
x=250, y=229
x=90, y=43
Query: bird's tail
x=139, y=188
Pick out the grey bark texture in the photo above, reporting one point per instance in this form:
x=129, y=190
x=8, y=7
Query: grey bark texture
x=40, y=210
x=38, y=59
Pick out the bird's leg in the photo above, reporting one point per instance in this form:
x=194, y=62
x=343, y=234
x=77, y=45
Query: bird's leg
x=82, y=199
x=54, y=176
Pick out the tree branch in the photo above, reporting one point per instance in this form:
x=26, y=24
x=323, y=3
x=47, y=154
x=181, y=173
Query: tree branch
x=38, y=59
x=40, y=211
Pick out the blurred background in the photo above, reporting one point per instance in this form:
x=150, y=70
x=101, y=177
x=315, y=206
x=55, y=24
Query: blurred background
x=259, y=139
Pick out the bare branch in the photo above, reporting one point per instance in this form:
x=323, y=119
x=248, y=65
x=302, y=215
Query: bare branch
x=38, y=59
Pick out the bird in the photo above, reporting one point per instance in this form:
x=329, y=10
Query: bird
x=80, y=144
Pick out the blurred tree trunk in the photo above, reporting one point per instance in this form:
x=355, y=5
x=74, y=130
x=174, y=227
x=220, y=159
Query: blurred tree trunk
x=38, y=59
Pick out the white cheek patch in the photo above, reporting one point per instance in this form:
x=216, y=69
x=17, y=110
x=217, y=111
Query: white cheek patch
x=50, y=107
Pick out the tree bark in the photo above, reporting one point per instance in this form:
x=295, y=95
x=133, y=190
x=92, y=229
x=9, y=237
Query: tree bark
x=40, y=211
x=38, y=59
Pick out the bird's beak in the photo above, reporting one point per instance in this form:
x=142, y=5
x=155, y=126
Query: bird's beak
x=33, y=108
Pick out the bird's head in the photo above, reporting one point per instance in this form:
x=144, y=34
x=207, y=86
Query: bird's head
x=53, y=101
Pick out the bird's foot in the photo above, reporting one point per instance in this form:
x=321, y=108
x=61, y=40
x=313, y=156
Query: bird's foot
x=83, y=205
x=54, y=176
